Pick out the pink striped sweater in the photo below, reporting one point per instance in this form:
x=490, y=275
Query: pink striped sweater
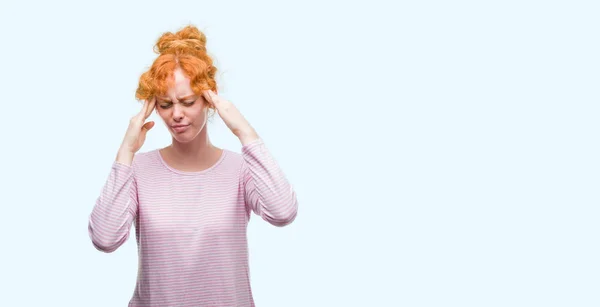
x=190, y=227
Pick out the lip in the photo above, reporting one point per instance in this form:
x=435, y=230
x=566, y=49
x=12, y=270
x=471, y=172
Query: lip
x=179, y=128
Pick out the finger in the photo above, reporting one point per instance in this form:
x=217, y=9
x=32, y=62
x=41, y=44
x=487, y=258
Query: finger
x=143, y=110
x=212, y=97
x=150, y=108
x=138, y=118
x=147, y=126
x=206, y=94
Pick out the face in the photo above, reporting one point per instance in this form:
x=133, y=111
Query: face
x=183, y=112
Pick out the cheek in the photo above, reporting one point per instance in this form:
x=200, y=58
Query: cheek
x=161, y=113
x=199, y=115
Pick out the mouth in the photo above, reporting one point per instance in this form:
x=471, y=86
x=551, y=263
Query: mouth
x=179, y=128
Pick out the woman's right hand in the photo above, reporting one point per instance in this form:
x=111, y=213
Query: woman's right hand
x=136, y=133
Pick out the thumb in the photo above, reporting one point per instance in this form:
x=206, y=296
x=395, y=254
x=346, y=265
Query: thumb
x=147, y=126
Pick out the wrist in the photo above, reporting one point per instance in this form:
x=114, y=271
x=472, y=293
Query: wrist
x=125, y=156
x=247, y=136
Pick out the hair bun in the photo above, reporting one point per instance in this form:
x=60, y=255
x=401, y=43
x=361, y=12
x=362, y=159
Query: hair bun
x=187, y=40
x=185, y=50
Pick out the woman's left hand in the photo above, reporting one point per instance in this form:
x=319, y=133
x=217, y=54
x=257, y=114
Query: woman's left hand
x=232, y=117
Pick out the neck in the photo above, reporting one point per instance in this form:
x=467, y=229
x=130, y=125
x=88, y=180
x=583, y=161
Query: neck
x=196, y=149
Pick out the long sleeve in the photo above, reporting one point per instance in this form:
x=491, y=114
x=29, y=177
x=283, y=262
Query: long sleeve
x=267, y=191
x=115, y=209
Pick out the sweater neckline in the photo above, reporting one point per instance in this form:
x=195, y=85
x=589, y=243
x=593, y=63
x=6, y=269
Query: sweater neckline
x=181, y=172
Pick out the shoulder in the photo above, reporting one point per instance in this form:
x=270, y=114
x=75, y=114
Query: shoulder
x=231, y=161
x=145, y=160
x=250, y=151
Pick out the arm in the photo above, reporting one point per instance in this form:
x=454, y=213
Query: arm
x=115, y=209
x=267, y=191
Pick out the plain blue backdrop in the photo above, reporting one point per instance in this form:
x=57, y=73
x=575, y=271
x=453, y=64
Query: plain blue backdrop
x=445, y=153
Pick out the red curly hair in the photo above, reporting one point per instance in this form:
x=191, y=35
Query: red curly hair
x=185, y=49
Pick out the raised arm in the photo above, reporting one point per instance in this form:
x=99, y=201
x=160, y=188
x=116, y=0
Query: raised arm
x=267, y=191
x=115, y=209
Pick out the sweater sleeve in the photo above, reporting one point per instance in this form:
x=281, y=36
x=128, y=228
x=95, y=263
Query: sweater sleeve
x=267, y=191
x=115, y=209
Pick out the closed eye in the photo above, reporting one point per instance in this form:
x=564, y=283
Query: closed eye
x=166, y=105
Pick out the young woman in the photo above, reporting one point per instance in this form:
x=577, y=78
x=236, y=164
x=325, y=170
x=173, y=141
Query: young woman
x=191, y=201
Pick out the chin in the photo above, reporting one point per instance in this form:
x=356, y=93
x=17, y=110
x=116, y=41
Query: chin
x=185, y=137
x=181, y=139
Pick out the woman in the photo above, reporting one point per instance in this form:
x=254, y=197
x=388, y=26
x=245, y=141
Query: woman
x=190, y=201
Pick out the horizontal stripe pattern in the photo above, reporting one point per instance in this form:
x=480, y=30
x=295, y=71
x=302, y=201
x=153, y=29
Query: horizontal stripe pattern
x=191, y=227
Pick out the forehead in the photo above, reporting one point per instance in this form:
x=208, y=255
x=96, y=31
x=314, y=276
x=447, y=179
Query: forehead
x=180, y=86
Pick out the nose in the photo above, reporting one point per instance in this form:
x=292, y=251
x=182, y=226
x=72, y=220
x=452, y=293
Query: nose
x=177, y=112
